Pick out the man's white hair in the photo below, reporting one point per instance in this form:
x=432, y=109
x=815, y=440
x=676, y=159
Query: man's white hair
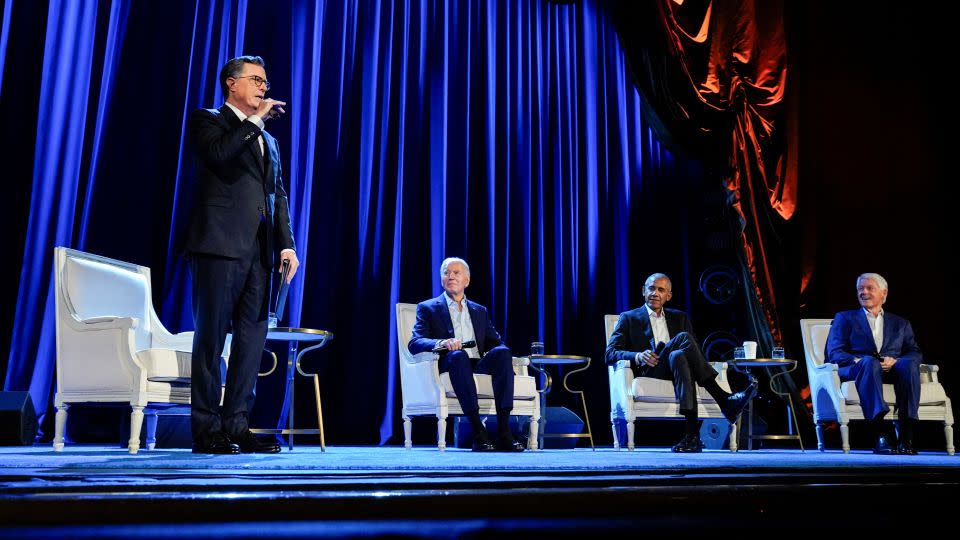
x=882, y=283
x=446, y=262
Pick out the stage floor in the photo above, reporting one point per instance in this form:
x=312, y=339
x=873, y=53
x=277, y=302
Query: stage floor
x=108, y=489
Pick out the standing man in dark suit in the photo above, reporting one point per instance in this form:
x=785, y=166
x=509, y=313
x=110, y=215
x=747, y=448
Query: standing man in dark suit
x=871, y=346
x=239, y=219
x=659, y=343
x=449, y=321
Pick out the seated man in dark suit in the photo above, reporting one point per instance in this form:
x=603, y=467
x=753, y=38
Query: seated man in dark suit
x=449, y=321
x=648, y=335
x=871, y=346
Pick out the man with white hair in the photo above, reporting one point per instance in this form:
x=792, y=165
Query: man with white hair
x=450, y=321
x=872, y=346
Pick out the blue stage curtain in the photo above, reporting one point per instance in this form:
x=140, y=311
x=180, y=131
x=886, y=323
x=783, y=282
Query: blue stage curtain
x=508, y=133
x=80, y=55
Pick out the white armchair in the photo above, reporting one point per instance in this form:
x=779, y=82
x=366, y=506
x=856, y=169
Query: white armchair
x=427, y=392
x=839, y=401
x=646, y=397
x=111, y=347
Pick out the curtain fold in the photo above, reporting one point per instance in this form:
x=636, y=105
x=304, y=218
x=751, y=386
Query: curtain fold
x=79, y=60
x=713, y=75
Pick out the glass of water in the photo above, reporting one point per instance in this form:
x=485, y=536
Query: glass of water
x=777, y=353
x=536, y=347
x=739, y=353
x=271, y=320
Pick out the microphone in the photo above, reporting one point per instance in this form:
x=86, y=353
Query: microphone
x=284, y=287
x=465, y=345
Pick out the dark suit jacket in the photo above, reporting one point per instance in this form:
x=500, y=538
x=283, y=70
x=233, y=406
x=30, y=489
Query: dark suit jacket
x=237, y=187
x=434, y=324
x=850, y=338
x=634, y=334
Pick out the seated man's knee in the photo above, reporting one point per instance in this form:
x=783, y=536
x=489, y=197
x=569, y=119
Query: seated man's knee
x=457, y=360
x=457, y=355
x=871, y=365
x=677, y=357
x=909, y=368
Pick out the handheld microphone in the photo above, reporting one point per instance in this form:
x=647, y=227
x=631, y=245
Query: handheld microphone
x=465, y=345
x=284, y=287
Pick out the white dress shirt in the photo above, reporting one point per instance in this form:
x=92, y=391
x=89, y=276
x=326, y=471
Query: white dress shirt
x=462, y=324
x=659, y=325
x=876, y=327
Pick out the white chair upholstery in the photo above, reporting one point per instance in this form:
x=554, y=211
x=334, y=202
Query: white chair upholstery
x=427, y=392
x=839, y=402
x=111, y=347
x=646, y=397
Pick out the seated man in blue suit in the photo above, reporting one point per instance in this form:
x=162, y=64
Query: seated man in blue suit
x=659, y=343
x=450, y=320
x=871, y=347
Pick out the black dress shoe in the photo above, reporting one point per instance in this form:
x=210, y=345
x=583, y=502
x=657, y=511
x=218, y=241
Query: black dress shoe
x=735, y=403
x=481, y=443
x=689, y=444
x=215, y=443
x=906, y=448
x=883, y=446
x=251, y=444
x=506, y=443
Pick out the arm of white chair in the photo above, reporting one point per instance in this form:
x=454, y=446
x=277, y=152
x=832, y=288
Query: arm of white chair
x=102, y=323
x=520, y=364
x=928, y=373
x=825, y=376
x=621, y=389
x=422, y=357
x=420, y=379
x=721, y=369
x=98, y=354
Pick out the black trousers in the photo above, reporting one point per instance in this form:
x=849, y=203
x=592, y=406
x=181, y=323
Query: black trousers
x=228, y=294
x=682, y=362
x=497, y=362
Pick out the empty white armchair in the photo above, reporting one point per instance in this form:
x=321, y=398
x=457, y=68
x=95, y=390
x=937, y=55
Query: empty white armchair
x=835, y=401
x=111, y=347
x=427, y=392
x=646, y=397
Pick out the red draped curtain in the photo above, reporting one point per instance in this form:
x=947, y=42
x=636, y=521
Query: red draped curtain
x=714, y=75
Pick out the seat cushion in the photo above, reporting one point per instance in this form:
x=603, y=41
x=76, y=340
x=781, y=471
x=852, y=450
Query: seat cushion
x=661, y=391
x=524, y=386
x=931, y=393
x=165, y=365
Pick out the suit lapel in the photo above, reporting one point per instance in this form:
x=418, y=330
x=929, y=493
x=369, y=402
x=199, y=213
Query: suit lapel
x=673, y=323
x=888, y=331
x=254, y=156
x=478, y=325
x=646, y=325
x=444, y=315
x=861, y=319
x=268, y=160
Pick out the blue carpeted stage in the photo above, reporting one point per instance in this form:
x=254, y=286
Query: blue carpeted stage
x=101, y=491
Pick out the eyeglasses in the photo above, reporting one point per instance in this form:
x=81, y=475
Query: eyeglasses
x=260, y=82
